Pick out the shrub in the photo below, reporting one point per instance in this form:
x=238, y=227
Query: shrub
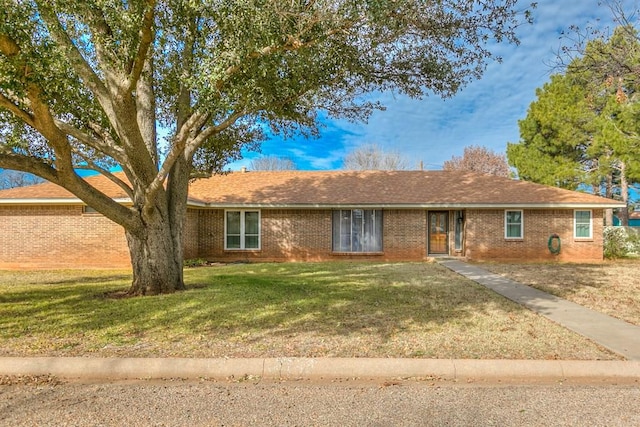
x=633, y=239
x=195, y=262
x=618, y=242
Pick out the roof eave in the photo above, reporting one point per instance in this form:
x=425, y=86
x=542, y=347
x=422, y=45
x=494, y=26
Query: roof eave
x=453, y=206
x=54, y=201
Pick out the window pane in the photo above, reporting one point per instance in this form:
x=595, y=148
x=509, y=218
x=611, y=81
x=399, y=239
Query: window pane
x=372, y=237
x=233, y=222
x=582, y=230
x=251, y=223
x=233, y=242
x=251, y=242
x=335, y=225
x=357, y=230
x=513, y=224
x=583, y=224
x=345, y=231
x=513, y=230
x=583, y=217
x=514, y=217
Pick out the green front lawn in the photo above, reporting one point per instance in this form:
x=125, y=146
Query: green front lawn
x=337, y=309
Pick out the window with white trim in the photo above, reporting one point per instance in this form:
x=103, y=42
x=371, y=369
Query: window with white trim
x=242, y=230
x=357, y=230
x=582, y=224
x=513, y=225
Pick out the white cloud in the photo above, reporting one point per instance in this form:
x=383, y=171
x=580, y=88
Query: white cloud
x=485, y=112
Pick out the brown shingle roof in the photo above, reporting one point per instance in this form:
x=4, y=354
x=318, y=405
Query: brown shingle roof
x=55, y=193
x=385, y=188
x=346, y=188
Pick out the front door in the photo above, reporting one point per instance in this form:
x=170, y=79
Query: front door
x=438, y=231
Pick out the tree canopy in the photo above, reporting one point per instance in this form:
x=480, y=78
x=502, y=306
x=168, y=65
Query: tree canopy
x=172, y=89
x=479, y=159
x=583, y=130
x=373, y=157
x=272, y=163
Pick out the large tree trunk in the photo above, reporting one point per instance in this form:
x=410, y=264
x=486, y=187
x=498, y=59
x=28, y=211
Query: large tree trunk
x=157, y=262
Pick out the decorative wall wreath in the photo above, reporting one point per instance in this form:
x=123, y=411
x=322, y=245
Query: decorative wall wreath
x=554, y=244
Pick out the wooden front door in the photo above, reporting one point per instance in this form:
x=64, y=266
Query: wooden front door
x=438, y=232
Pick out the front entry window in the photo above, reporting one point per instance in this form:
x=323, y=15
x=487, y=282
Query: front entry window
x=459, y=226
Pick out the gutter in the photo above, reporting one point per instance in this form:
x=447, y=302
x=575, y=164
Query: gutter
x=446, y=206
x=54, y=201
x=451, y=206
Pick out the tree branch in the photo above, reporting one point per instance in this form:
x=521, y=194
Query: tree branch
x=93, y=166
x=146, y=38
x=77, y=61
x=29, y=164
x=178, y=148
x=17, y=111
x=196, y=142
x=111, y=150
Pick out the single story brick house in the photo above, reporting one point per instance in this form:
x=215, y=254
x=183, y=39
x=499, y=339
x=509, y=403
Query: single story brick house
x=320, y=215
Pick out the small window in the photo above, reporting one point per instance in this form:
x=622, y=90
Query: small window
x=513, y=225
x=242, y=230
x=357, y=230
x=583, y=225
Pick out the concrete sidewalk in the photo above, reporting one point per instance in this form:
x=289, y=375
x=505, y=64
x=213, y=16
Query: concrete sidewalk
x=614, y=334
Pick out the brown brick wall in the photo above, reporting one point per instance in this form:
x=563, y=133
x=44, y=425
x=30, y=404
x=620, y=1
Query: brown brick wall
x=405, y=234
x=305, y=235
x=59, y=237
x=485, y=237
x=64, y=237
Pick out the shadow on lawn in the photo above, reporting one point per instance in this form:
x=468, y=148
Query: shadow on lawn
x=261, y=300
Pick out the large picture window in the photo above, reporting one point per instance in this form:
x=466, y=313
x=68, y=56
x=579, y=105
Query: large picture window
x=357, y=230
x=513, y=225
x=582, y=228
x=242, y=230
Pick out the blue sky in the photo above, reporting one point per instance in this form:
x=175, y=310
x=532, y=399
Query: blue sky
x=485, y=112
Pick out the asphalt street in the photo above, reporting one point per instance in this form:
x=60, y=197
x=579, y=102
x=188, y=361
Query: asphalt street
x=302, y=403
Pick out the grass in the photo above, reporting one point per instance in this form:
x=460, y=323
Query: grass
x=612, y=287
x=271, y=310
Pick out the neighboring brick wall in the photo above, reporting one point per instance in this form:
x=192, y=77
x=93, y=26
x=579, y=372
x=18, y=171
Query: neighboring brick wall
x=305, y=235
x=485, y=237
x=59, y=237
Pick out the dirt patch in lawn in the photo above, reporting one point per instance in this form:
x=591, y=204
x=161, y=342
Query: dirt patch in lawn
x=612, y=287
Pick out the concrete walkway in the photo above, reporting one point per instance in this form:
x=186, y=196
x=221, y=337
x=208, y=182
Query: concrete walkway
x=614, y=334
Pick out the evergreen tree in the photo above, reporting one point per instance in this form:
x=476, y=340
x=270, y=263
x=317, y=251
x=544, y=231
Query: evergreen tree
x=583, y=130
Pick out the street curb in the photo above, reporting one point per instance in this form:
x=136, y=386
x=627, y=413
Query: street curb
x=84, y=368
